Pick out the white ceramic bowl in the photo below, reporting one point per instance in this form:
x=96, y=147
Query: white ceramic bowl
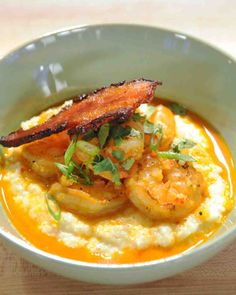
x=55, y=66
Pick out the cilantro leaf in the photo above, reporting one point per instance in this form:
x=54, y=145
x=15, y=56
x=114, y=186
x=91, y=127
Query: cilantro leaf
x=118, y=154
x=181, y=144
x=103, y=134
x=89, y=135
x=120, y=131
x=118, y=141
x=107, y=165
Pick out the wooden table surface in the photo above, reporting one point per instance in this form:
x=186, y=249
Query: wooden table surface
x=210, y=20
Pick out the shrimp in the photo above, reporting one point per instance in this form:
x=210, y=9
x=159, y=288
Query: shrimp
x=131, y=146
x=165, y=190
x=164, y=116
x=41, y=155
x=97, y=200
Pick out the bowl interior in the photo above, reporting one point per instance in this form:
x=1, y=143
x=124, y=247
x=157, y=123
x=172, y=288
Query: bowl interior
x=74, y=61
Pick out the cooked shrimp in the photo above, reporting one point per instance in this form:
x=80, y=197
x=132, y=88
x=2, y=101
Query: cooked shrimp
x=165, y=190
x=132, y=146
x=96, y=200
x=162, y=115
x=41, y=155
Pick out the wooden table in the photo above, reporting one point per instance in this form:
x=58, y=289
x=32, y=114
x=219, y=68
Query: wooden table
x=210, y=20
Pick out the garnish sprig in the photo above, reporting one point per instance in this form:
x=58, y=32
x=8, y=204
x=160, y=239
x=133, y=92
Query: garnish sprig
x=103, y=134
x=118, y=154
x=53, y=207
x=73, y=171
x=182, y=144
x=176, y=148
x=70, y=150
x=106, y=165
x=176, y=156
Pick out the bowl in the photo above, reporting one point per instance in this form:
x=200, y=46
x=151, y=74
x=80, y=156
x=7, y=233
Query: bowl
x=58, y=65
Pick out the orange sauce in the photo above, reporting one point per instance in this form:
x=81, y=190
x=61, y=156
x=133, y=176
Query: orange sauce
x=29, y=230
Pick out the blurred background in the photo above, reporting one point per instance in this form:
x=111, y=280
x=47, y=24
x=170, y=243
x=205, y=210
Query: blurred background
x=211, y=20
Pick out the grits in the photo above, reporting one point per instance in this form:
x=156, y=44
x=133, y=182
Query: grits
x=128, y=228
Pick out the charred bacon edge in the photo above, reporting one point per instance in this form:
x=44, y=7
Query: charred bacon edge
x=121, y=115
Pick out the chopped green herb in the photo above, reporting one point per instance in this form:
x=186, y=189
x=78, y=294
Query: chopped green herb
x=118, y=131
x=107, y=165
x=118, y=141
x=70, y=150
x=83, y=172
x=176, y=156
x=103, y=134
x=67, y=171
x=178, y=109
x=156, y=138
x=89, y=135
x=127, y=164
x=104, y=165
x=75, y=172
x=132, y=132
x=98, y=158
x=53, y=207
x=148, y=127
x=150, y=110
x=64, y=169
x=116, y=175
x=137, y=117
x=181, y=144
x=118, y=154
x=87, y=148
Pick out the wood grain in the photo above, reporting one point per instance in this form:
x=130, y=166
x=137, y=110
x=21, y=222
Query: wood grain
x=210, y=20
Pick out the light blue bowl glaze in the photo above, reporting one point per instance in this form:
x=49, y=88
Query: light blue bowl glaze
x=74, y=61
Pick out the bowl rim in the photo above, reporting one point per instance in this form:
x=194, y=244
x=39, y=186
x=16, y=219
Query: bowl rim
x=25, y=245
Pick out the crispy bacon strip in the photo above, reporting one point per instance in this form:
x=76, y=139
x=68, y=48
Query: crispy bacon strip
x=116, y=102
